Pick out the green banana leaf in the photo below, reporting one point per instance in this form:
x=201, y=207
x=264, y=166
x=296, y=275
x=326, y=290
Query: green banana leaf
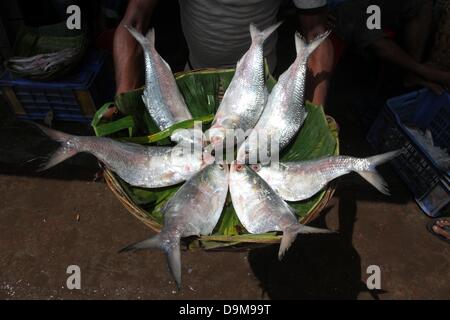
x=202, y=91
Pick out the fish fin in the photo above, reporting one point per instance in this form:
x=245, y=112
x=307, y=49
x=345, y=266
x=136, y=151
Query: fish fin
x=261, y=36
x=239, y=62
x=289, y=235
x=382, y=158
x=174, y=262
x=306, y=49
x=286, y=242
x=53, y=134
x=372, y=176
x=172, y=254
x=300, y=44
x=64, y=152
x=147, y=40
x=167, y=65
x=150, y=36
x=61, y=154
x=150, y=243
x=305, y=114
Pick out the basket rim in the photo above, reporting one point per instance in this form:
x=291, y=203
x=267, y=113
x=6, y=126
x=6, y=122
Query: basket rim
x=244, y=239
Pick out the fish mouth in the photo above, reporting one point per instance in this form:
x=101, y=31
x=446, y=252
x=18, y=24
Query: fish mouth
x=237, y=167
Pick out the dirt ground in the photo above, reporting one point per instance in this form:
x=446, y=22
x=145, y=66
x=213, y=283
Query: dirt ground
x=41, y=236
x=58, y=218
x=51, y=220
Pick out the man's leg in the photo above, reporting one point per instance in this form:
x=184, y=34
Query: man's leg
x=320, y=64
x=439, y=228
x=417, y=28
x=127, y=52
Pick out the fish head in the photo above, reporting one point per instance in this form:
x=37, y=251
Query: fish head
x=219, y=173
x=215, y=135
x=242, y=154
x=256, y=167
x=224, y=167
x=188, y=160
x=188, y=136
x=207, y=159
x=237, y=168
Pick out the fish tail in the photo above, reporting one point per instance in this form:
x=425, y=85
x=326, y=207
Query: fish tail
x=146, y=41
x=304, y=48
x=174, y=262
x=260, y=36
x=53, y=134
x=372, y=176
x=150, y=243
x=64, y=152
x=290, y=234
x=172, y=252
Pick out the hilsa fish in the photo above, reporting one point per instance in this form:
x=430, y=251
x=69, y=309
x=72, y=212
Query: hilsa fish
x=163, y=99
x=285, y=113
x=296, y=181
x=42, y=63
x=141, y=166
x=193, y=210
x=260, y=209
x=246, y=95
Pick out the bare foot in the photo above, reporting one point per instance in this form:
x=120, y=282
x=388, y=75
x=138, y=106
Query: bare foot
x=441, y=227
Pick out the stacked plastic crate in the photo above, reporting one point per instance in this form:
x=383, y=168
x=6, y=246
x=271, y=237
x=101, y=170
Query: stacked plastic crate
x=72, y=98
x=423, y=110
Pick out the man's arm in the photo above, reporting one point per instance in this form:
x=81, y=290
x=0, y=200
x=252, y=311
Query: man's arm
x=126, y=51
x=321, y=62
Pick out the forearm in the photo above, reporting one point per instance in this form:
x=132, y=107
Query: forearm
x=321, y=62
x=389, y=50
x=127, y=52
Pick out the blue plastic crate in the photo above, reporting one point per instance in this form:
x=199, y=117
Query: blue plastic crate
x=425, y=110
x=72, y=98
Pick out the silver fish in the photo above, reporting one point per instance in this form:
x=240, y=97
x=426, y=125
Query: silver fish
x=285, y=113
x=261, y=210
x=246, y=95
x=193, y=210
x=142, y=166
x=42, y=63
x=162, y=97
x=295, y=181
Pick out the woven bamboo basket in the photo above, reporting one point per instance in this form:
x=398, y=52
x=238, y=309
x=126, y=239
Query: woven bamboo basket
x=237, y=238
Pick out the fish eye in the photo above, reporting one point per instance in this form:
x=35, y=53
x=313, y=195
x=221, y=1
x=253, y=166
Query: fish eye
x=256, y=167
x=221, y=167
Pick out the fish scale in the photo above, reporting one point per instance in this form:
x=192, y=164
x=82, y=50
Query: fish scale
x=141, y=166
x=296, y=181
x=246, y=95
x=284, y=113
x=163, y=99
x=194, y=209
x=261, y=210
